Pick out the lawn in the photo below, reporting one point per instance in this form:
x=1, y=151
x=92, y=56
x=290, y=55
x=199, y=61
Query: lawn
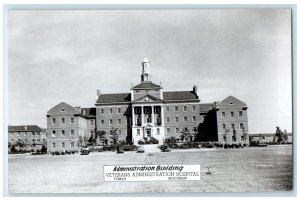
x=233, y=170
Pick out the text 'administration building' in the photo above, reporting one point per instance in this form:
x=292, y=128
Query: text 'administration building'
x=149, y=112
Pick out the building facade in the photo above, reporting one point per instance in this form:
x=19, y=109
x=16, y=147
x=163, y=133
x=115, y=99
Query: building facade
x=69, y=127
x=148, y=112
x=27, y=137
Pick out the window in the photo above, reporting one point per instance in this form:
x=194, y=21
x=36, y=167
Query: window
x=72, y=132
x=232, y=126
x=167, y=108
x=168, y=130
x=176, y=119
x=168, y=119
x=25, y=134
x=62, y=120
x=230, y=103
x=240, y=114
x=119, y=121
x=176, y=108
x=72, y=144
x=38, y=140
x=102, y=122
x=194, y=129
x=110, y=121
x=91, y=122
x=177, y=130
x=231, y=114
x=138, y=132
x=101, y=111
x=12, y=140
x=158, y=131
x=242, y=139
x=194, y=107
x=233, y=139
x=33, y=140
x=63, y=133
x=194, y=118
x=110, y=110
x=184, y=108
x=223, y=114
x=241, y=126
x=18, y=134
x=53, y=133
x=119, y=110
x=53, y=145
x=62, y=109
x=53, y=121
x=119, y=132
x=185, y=118
x=224, y=126
x=63, y=145
x=72, y=120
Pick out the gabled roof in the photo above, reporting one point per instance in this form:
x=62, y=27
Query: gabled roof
x=30, y=128
x=206, y=107
x=114, y=98
x=146, y=85
x=88, y=112
x=179, y=95
x=231, y=102
x=63, y=109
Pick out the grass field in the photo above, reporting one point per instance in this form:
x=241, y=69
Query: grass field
x=233, y=170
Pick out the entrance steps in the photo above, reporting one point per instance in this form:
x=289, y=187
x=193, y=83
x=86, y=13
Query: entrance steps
x=151, y=148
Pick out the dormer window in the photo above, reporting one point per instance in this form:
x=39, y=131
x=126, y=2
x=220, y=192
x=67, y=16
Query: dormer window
x=62, y=109
x=230, y=103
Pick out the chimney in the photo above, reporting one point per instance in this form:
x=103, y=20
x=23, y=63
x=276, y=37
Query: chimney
x=25, y=127
x=98, y=92
x=195, y=89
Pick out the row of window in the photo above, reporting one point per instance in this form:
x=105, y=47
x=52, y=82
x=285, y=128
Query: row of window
x=63, y=145
x=185, y=119
x=240, y=114
x=177, y=130
x=110, y=121
x=241, y=126
x=110, y=111
x=24, y=134
x=63, y=121
x=26, y=140
x=176, y=108
x=63, y=133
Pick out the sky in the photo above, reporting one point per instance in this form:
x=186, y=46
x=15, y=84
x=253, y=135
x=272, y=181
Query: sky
x=65, y=56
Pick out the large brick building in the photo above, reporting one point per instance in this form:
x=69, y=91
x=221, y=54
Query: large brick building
x=29, y=136
x=69, y=127
x=147, y=112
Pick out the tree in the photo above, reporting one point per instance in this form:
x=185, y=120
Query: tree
x=285, y=136
x=80, y=141
x=101, y=135
x=91, y=139
x=225, y=135
x=245, y=134
x=113, y=135
x=234, y=135
x=195, y=133
x=278, y=135
x=185, y=133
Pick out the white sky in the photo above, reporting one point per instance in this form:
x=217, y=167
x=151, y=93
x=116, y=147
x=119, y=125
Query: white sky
x=57, y=56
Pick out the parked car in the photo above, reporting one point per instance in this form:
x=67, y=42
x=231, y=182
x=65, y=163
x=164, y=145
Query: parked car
x=84, y=151
x=120, y=150
x=184, y=146
x=140, y=149
x=164, y=148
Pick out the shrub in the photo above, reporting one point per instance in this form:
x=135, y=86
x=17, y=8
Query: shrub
x=141, y=142
x=226, y=146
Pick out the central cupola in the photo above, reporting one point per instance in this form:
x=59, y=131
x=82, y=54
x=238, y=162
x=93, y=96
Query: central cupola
x=146, y=76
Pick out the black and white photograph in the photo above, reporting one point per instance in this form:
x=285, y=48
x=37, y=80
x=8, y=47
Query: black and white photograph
x=149, y=101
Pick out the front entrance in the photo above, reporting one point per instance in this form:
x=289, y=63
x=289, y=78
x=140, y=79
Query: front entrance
x=148, y=133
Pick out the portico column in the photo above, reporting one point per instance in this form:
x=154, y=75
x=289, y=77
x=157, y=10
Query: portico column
x=152, y=115
x=162, y=117
x=142, y=116
x=133, y=117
